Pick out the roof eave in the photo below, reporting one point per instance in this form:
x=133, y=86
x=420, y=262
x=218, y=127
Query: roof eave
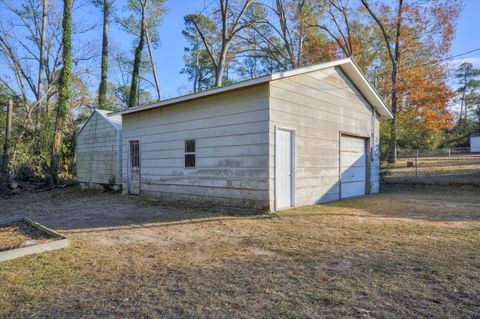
x=347, y=65
x=193, y=96
x=356, y=75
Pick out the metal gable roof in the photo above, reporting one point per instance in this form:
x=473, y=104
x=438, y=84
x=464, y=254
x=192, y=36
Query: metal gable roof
x=114, y=120
x=348, y=66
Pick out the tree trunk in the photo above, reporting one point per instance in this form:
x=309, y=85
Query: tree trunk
x=220, y=69
x=152, y=63
x=219, y=75
x=394, y=56
x=392, y=150
x=64, y=92
x=132, y=100
x=196, y=77
x=6, y=145
x=102, y=90
x=42, y=50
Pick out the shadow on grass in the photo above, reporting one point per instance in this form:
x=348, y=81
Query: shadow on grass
x=72, y=210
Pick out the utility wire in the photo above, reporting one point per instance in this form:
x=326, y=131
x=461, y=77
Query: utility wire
x=444, y=59
x=432, y=62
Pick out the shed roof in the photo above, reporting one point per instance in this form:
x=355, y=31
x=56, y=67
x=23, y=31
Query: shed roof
x=348, y=66
x=115, y=119
x=475, y=134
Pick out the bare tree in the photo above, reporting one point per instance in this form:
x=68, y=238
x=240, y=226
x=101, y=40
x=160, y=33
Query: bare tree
x=20, y=36
x=152, y=63
x=231, y=23
x=41, y=63
x=282, y=32
x=5, y=174
x=339, y=30
x=144, y=18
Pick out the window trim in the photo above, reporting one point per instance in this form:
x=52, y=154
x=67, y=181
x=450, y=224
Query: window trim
x=194, y=153
x=134, y=154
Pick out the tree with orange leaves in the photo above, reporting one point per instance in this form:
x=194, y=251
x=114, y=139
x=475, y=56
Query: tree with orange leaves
x=415, y=37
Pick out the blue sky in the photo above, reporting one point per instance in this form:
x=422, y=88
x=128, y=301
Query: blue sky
x=169, y=54
x=467, y=36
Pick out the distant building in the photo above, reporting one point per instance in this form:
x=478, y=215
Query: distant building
x=475, y=143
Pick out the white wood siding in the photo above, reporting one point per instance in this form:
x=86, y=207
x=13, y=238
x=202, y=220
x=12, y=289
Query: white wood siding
x=98, y=160
x=231, y=134
x=319, y=105
x=375, y=156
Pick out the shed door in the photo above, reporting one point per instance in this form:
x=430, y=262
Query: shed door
x=353, y=166
x=284, y=169
x=134, y=164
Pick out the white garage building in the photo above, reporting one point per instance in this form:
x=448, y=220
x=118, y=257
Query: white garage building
x=293, y=138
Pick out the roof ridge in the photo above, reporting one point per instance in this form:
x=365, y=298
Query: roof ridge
x=347, y=65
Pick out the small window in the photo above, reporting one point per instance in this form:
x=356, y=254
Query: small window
x=190, y=153
x=190, y=146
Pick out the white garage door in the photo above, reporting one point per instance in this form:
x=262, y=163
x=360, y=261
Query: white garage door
x=352, y=166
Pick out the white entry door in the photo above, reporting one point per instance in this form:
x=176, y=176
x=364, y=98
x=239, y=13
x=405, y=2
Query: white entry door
x=284, y=168
x=353, y=166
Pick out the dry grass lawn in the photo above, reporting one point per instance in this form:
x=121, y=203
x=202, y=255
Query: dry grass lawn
x=458, y=169
x=411, y=252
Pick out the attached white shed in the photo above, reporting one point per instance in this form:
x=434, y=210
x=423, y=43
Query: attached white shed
x=475, y=143
x=99, y=151
x=293, y=138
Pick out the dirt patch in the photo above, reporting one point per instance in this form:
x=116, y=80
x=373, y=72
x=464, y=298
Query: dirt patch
x=21, y=234
x=73, y=209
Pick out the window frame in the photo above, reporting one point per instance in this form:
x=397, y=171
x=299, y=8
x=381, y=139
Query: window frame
x=187, y=153
x=134, y=154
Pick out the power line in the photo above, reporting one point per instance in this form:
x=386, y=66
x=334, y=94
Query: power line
x=444, y=59
x=431, y=62
x=465, y=53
